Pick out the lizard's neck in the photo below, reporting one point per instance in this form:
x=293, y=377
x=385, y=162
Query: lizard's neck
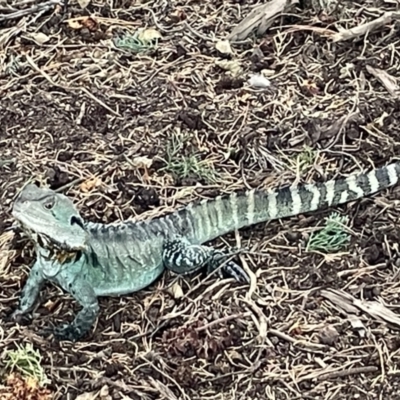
x=53, y=260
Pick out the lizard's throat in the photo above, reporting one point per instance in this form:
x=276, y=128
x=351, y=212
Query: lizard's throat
x=52, y=252
x=61, y=256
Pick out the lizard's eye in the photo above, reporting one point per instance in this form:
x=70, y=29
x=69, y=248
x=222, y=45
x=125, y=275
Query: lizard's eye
x=49, y=204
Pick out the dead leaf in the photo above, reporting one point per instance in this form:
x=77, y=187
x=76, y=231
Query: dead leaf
x=232, y=66
x=50, y=305
x=83, y=3
x=351, y=305
x=148, y=35
x=73, y=24
x=181, y=194
x=357, y=325
x=90, y=24
x=176, y=290
x=224, y=47
x=39, y=37
x=103, y=394
x=88, y=185
x=142, y=162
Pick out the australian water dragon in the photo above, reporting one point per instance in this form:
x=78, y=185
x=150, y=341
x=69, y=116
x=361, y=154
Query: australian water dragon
x=91, y=259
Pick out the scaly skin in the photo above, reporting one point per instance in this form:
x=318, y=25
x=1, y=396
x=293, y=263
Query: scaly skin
x=89, y=260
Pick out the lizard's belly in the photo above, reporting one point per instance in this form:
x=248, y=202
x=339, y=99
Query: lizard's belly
x=122, y=285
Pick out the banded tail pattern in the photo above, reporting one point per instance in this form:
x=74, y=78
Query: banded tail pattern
x=212, y=218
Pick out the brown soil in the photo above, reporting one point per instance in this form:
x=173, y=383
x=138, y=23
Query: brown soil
x=78, y=110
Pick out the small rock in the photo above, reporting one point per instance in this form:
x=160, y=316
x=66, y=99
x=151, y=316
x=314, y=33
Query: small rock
x=328, y=335
x=259, y=81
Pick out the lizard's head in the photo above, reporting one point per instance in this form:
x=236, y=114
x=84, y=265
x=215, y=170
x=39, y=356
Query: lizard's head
x=50, y=219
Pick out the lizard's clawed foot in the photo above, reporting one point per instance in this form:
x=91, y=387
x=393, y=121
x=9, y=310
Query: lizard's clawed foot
x=63, y=332
x=67, y=332
x=229, y=268
x=20, y=317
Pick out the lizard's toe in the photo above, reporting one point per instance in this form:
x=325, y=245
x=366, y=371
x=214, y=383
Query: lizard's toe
x=230, y=268
x=236, y=271
x=20, y=317
x=67, y=332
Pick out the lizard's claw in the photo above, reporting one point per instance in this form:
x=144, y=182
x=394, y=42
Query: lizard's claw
x=230, y=268
x=67, y=332
x=20, y=317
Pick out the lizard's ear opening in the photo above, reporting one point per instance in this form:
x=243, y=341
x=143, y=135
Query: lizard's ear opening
x=76, y=221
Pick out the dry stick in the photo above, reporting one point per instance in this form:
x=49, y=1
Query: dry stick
x=39, y=7
x=261, y=18
x=45, y=75
x=284, y=336
x=366, y=28
x=220, y=320
x=387, y=80
x=346, y=372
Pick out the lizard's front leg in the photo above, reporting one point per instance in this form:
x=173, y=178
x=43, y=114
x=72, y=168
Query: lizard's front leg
x=84, y=294
x=30, y=292
x=184, y=258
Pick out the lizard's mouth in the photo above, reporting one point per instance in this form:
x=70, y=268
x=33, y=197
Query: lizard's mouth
x=56, y=250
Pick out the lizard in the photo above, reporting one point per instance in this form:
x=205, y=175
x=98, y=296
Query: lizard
x=90, y=259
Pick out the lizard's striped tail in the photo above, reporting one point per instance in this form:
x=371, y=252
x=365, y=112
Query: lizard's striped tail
x=213, y=218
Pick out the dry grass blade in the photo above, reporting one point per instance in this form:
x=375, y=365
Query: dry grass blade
x=6, y=253
x=348, y=34
x=42, y=7
x=260, y=18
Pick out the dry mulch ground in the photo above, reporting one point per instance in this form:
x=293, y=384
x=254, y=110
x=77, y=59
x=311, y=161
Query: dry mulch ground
x=136, y=134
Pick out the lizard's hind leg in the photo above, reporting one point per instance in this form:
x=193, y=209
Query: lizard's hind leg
x=184, y=258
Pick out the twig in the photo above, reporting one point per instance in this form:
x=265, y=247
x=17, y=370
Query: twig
x=39, y=7
x=224, y=319
x=6, y=162
x=198, y=34
x=346, y=372
x=284, y=336
x=366, y=28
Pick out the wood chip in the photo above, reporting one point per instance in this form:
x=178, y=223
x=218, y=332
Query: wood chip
x=389, y=81
x=352, y=305
x=224, y=47
x=260, y=18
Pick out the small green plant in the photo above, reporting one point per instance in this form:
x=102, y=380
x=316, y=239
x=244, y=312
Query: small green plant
x=138, y=42
x=332, y=237
x=300, y=162
x=28, y=362
x=306, y=158
x=185, y=166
